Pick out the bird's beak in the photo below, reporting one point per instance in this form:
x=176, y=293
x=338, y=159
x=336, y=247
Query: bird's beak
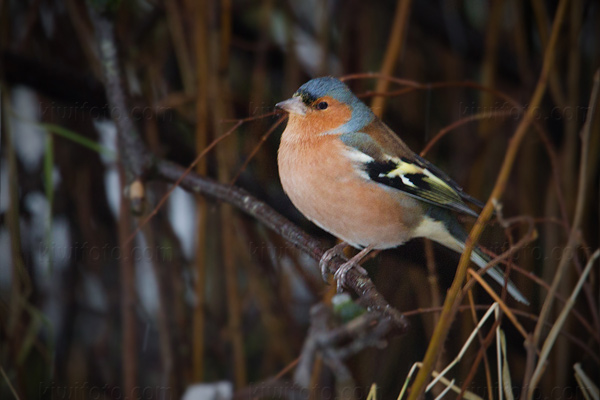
x=293, y=106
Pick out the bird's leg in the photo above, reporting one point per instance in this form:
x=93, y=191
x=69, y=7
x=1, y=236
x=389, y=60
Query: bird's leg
x=340, y=274
x=335, y=251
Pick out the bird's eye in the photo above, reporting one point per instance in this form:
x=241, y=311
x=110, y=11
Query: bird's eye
x=322, y=105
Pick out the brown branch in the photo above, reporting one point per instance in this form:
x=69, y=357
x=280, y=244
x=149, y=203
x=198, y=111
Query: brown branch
x=135, y=161
x=134, y=156
x=139, y=162
x=242, y=200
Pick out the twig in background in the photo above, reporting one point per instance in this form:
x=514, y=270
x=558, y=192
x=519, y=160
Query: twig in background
x=372, y=392
x=448, y=312
x=446, y=390
x=392, y=52
x=498, y=300
x=164, y=199
x=9, y=384
x=588, y=387
x=482, y=348
x=358, y=283
x=551, y=339
x=128, y=297
x=172, y=364
x=200, y=41
x=505, y=385
x=335, y=341
x=493, y=309
x=542, y=20
x=532, y=317
x=256, y=148
x=573, y=240
x=467, y=394
x=460, y=122
x=490, y=60
x=432, y=277
x=487, y=342
x=136, y=160
x=180, y=45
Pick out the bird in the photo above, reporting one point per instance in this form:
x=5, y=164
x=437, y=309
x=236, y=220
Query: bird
x=346, y=171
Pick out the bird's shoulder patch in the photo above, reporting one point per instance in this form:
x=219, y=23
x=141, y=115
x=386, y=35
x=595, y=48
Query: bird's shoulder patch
x=417, y=181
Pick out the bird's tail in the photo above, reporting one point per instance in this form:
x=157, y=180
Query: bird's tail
x=449, y=233
x=481, y=259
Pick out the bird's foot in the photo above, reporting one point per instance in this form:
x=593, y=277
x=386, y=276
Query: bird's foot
x=341, y=275
x=335, y=251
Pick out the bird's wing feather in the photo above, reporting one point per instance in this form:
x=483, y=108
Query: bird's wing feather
x=442, y=175
x=392, y=144
x=393, y=164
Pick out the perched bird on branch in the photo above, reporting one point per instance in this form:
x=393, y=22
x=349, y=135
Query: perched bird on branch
x=351, y=175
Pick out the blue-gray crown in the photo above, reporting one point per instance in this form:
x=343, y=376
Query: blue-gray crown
x=332, y=87
x=326, y=86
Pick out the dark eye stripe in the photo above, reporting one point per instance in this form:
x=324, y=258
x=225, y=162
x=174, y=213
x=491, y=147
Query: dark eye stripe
x=306, y=97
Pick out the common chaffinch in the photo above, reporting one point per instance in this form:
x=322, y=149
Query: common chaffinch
x=351, y=175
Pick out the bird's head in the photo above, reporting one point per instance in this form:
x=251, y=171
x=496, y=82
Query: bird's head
x=326, y=106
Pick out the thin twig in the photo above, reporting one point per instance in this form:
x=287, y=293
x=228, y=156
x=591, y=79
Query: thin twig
x=474, y=117
x=532, y=317
x=573, y=240
x=490, y=60
x=551, y=339
x=475, y=364
x=9, y=384
x=177, y=182
x=134, y=155
x=392, y=52
x=239, y=198
x=263, y=139
x=486, y=363
x=497, y=299
x=432, y=277
x=447, y=316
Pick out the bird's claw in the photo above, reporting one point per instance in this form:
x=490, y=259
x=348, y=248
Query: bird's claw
x=324, y=265
x=341, y=275
x=335, y=251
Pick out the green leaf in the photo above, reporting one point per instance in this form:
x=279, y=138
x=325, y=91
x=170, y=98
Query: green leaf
x=77, y=138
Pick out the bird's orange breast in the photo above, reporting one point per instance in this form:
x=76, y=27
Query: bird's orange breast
x=325, y=185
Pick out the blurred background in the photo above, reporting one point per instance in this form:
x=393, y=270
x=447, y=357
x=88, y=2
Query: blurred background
x=214, y=296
